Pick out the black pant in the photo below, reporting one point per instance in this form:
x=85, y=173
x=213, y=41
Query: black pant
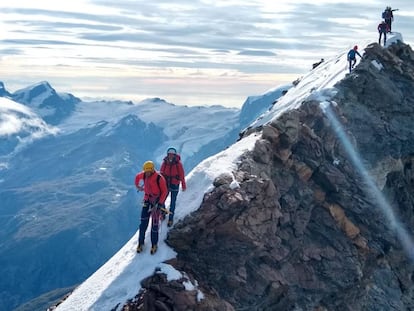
x=173, y=190
x=385, y=37
x=388, y=21
x=149, y=209
x=352, y=62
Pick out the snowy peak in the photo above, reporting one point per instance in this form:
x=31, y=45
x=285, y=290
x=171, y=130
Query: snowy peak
x=158, y=100
x=131, y=128
x=29, y=94
x=3, y=91
x=254, y=106
x=42, y=98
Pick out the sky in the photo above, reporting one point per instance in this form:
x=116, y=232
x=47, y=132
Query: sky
x=188, y=52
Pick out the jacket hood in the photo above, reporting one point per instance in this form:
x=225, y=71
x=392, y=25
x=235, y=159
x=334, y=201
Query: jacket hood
x=177, y=158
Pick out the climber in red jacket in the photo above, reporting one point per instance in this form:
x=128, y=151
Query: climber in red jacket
x=173, y=172
x=155, y=193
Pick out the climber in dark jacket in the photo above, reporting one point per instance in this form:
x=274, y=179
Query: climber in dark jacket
x=352, y=57
x=388, y=17
x=382, y=30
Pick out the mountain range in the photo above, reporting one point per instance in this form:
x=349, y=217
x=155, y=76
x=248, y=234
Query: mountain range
x=66, y=177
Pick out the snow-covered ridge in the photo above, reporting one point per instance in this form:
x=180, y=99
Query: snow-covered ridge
x=36, y=92
x=318, y=83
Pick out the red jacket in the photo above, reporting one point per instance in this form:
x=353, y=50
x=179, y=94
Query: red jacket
x=383, y=27
x=173, y=171
x=154, y=191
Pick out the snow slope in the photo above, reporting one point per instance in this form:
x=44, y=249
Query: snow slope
x=118, y=279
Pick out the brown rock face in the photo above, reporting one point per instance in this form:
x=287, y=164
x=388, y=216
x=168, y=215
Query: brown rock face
x=302, y=232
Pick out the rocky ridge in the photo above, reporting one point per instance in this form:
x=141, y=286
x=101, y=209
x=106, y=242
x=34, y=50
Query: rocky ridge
x=302, y=232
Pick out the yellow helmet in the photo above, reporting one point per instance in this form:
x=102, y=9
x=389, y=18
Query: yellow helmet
x=148, y=166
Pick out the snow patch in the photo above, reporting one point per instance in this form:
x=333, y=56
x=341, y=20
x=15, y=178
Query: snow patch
x=234, y=184
x=377, y=65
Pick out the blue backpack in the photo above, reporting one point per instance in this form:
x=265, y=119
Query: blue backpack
x=386, y=14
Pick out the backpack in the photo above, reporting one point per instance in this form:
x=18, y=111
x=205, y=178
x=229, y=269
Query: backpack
x=351, y=54
x=175, y=162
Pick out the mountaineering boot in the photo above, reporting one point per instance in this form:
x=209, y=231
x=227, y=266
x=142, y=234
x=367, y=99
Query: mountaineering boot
x=170, y=223
x=139, y=248
x=154, y=249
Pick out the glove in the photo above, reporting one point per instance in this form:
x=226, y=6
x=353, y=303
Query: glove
x=160, y=206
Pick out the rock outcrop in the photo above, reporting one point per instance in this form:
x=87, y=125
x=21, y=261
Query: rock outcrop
x=302, y=232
